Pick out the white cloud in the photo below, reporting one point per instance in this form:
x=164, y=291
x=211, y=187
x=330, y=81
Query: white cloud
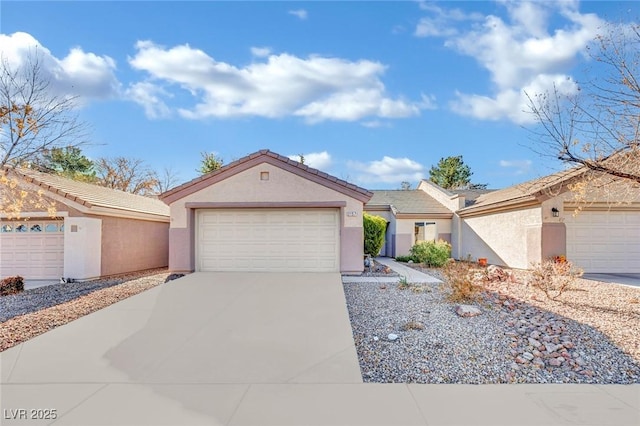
x=521, y=166
x=317, y=160
x=441, y=22
x=300, y=13
x=316, y=88
x=388, y=170
x=261, y=52
x=80, y=73
x=521, y=52
x=150, y=97
x=513, y=104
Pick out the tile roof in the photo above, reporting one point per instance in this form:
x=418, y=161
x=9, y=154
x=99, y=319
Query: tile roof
x=471, y=195
x=342, y=185
x=526, y=191
x=413, y=201
x=90, y=195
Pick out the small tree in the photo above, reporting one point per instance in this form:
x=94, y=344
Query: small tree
x=453, y=173
x=210, y=162
x=375, y=228
x=405, y=186
x=69, y=162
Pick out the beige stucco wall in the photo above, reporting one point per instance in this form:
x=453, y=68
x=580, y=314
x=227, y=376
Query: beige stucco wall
x=405, y=237
x=282, y=187
x=509, y=238
x=133, y=245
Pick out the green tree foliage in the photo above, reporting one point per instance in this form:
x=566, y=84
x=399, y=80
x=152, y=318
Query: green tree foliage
x=210, y=162
x=453, y=173
x=69, y=162
x=375, y=228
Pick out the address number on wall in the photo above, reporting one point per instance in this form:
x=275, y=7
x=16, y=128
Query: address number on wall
x=352, y=214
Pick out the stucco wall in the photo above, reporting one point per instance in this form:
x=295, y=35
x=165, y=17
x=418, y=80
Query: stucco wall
x=505, y=238
x=281, y=187
x=133, y=245
x=405, y=237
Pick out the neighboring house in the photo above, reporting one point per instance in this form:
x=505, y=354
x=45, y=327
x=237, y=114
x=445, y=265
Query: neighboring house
x=522, y=224
x=412, y=216
x=536, y=220
x=96, y=232
x=266, y=212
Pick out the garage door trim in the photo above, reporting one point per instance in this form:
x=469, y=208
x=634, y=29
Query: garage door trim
x=263, y=205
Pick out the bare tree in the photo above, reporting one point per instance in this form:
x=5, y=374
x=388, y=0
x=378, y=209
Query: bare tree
x=33, y=120
x=598, y=128
x=167, y=179
x=126, y=174
x=32, y=117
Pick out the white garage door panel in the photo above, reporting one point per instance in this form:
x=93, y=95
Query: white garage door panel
x=268, y=240
x=32, y=254
x=604, y=241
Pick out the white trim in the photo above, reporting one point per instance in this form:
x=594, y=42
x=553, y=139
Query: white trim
x=44, y=215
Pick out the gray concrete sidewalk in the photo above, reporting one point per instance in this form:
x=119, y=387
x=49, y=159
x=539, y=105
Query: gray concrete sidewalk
x=412, y=275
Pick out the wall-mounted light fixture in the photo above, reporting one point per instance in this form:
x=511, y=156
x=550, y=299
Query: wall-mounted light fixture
x=555, y=212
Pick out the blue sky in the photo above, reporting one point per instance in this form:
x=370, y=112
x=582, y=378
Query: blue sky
x=372, y=92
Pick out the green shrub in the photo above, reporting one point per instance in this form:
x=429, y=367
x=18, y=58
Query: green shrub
x=432, y=253
x=404, y=259
x=11, y=285
x=374, y=229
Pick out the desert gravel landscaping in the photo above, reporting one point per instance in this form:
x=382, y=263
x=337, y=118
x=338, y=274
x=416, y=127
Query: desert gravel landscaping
x=413, y=334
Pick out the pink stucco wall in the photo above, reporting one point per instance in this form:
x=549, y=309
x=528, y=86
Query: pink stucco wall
x=133, y=245
x=282, y=189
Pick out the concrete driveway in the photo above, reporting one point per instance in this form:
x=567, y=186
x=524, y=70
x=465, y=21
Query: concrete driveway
x=627, y=279
x=203, y=330
x=254, y=349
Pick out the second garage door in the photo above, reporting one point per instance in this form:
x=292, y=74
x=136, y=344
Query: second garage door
x=605, y=242
x=33, y=249
x=279, y=240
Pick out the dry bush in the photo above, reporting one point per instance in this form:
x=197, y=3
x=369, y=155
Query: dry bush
x=461, y=282
x=554, y=278
x=11, y=285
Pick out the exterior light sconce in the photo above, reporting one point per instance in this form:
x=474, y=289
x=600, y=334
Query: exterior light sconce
x=555, y=212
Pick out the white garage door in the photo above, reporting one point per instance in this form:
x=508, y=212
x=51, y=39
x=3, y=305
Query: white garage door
x=605, y=242
x=32, y=249
x=283, y=240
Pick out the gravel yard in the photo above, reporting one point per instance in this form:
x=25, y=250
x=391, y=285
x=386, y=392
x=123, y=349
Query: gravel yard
x=36, y=311
x=590, y=335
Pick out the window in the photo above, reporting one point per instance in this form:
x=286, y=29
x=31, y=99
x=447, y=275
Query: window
x=21, y=228
x=424, y=231
x=36, y=228
x=51, y=227
x=6, y=228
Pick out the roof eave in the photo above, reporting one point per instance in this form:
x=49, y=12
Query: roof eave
x=260, y=157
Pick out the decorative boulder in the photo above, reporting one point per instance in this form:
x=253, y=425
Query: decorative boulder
x=467, y=311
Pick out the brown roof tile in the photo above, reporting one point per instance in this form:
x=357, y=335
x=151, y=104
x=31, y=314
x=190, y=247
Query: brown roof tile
x=93, y=195
x=408, y=201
